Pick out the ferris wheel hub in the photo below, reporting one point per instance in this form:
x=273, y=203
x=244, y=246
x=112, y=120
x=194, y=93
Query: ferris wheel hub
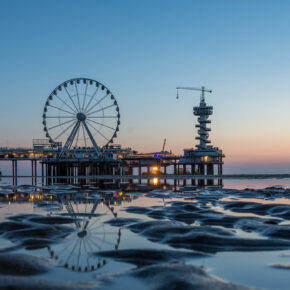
x=81, y=116
x=82, y=234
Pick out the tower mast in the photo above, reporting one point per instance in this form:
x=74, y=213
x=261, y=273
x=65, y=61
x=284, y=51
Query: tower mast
x=203, y=112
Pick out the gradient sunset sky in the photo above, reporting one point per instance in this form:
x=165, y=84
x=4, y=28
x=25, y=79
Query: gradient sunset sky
x=142, y=50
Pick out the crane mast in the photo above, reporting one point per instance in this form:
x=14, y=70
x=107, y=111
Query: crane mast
x=163, y=147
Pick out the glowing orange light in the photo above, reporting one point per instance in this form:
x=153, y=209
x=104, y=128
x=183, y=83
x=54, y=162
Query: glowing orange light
x=155, y=181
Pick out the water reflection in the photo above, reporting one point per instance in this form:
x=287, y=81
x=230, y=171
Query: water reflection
x=91, y=234
x=80, y=230
x=80, y=214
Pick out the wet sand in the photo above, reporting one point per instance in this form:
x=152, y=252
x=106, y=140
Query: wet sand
x=66, y=237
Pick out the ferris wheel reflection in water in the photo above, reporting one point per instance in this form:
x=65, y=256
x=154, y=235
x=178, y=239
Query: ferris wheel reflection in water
x=91, y=233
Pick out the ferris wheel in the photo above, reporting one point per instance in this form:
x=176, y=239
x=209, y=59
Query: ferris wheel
x=81, y=113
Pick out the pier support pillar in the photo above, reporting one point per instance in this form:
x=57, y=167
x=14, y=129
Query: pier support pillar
x=201, y=172
x=192, y=173
x=139, y=173
x=148, y=173
x=220, y=173
x=210, y=171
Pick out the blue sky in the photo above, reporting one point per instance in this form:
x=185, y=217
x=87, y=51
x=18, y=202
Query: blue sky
x=142, y=50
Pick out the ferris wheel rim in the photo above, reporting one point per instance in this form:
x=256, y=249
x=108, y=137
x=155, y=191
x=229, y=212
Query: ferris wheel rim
x=85, y=108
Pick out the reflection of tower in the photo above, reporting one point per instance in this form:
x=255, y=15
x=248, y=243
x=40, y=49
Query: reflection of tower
x=204, y=159
x=203, y=111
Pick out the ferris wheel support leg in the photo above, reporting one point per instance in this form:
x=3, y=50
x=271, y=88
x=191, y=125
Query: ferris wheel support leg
x=70, y=139
x=96, y=147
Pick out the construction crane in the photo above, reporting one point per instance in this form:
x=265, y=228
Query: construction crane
x=163, y=145
x=202, y=89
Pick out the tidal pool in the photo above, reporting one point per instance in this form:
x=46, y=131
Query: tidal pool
x=71, y=237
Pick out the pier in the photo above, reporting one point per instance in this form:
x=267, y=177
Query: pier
x=81, y=119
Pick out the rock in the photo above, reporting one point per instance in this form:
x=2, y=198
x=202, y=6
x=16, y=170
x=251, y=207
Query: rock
x=53, y=220
x=284, y=266
x=119, y=222
x=12, y=226
x=34, y=244
x=137, y=209
x=181, y=276
x=141, y=257
x=22, y=217
x=277, y=210
x=203, y=238
x=41, y=232
x=23, y=264
x=264, y=228
x=27, y=283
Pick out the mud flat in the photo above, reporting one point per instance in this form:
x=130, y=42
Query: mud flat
x=178, y=240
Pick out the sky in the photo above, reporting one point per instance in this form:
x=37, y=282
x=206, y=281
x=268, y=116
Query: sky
x=142, y=50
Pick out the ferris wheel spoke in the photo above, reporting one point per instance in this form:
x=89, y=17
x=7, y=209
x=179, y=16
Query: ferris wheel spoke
x=101, y=117
x=77, y=137
x=93, y=223
x=62, y=110
x=84, y=100
x=99, y=132
x=59, y=117
x=96, y=103
x=92, y=226
x=94, y=244
x=102, y=240
x=84, y=135
x=72, y=251
x=78, y=96
x=107, y=233
x=79, y=253
x=65, y=130
x=95, y=229
x=92, y=97
x=60, y=124
x=66, y=104
x=86, y=249
x=102, y=124
x=71, y=98
x=102, y=109
x=67, y=247
x=89, y=245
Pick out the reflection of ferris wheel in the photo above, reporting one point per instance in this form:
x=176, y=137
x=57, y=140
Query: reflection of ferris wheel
x=81, y=112
x=90, y=235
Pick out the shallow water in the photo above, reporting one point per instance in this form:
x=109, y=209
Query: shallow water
x=235, y=234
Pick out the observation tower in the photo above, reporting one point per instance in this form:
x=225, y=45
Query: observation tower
x=204, y=159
